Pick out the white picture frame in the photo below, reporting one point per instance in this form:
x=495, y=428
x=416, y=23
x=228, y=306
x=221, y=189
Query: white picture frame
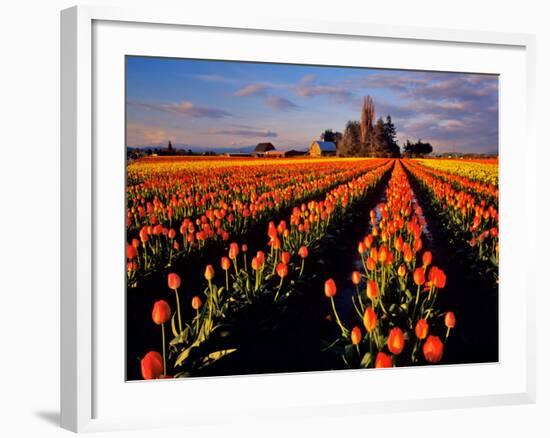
x=82, y=368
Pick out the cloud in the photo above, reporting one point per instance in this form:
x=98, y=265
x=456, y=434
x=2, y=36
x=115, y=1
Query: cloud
x=214, y=78
x=280, y=103
x=184, y=108
x=307, y=87
x=140, y=134
x=251, y=90
x=246, y=133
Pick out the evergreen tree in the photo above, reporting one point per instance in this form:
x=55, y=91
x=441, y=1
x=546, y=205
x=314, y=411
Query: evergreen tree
x=350, y=145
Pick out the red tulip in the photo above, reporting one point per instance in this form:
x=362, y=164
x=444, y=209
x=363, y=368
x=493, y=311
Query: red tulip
x=437, y=277
x=419, y=277
x=396, y=340
x=174, y=281
x=421, y=329
x=151, y=366
x=303, y=252
x=255, y=264
x=161, y=312
x=433, y=349
x=171, y=233
x=370, y=319
x=383, y=361
x=356, y=335
x=330, y=288
x=282, y=270
x=131, y=252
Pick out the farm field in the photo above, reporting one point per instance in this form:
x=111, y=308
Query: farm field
x=242, y=265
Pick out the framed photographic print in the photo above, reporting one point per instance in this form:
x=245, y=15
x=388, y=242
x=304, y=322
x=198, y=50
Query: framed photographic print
x=339, y=211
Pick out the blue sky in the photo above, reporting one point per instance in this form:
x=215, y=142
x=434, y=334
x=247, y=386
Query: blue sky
x=216, y=104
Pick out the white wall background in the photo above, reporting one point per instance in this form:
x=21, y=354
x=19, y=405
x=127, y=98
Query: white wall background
x=29, y=214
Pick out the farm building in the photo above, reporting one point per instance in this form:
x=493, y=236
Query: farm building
x=322, y=148
x=262, y=148
x=275, y=154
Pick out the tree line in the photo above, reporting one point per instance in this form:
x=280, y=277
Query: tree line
x=372, y=138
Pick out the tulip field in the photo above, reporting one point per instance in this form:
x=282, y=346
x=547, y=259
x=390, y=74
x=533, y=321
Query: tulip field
x=265, y=265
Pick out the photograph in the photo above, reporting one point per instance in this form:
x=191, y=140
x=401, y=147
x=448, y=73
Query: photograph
x=286, y=218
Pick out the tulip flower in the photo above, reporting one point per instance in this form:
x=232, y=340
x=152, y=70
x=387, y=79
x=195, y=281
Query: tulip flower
x=282, y=272
x=330, y=292
x=356, y=277
x=174, y=282
x=450, y=322
x=421, y=329
x=370, y=319
x=372, y=289
x=396, y=340
x=285, y=257
x=383, y=361
x=152, y=366
x=226, y=264
x=426, y=258
x=401, y=271
x=161, y=314
x=433, y=349
x=356, y=335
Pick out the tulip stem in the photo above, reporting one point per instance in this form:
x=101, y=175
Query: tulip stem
x=344, y=330
x=179, y=310
x=278, y=290
x=302, y=268
x=163, y=350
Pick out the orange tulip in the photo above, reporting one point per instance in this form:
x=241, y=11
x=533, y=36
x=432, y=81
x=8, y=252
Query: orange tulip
x=151, y=366
x=361, y=248
x=433, y=349
x=209, y=273
x=330, y=288
x=370, y=319
x=396, y=340
x=196, y=302
x=401, y=271
x=161, y=312
x=226, y=263
x=371, y=264
x=256, y=263
x=356, y=277
x=421, y=329
x=356, y=335
x=174, y=281
x=426, y=258
x=450, y=320
x=407, y=254
x=285, y=257
x=372, y=289
x=233, y=251
x=383, y=361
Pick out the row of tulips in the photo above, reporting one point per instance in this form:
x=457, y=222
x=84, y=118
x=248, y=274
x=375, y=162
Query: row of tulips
x=481, y=170
x=241, y=279
x=478, y=188
x=473, y=220
x=228, y=215
x=396, y=289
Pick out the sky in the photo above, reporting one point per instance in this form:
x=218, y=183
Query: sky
x=204, y=105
